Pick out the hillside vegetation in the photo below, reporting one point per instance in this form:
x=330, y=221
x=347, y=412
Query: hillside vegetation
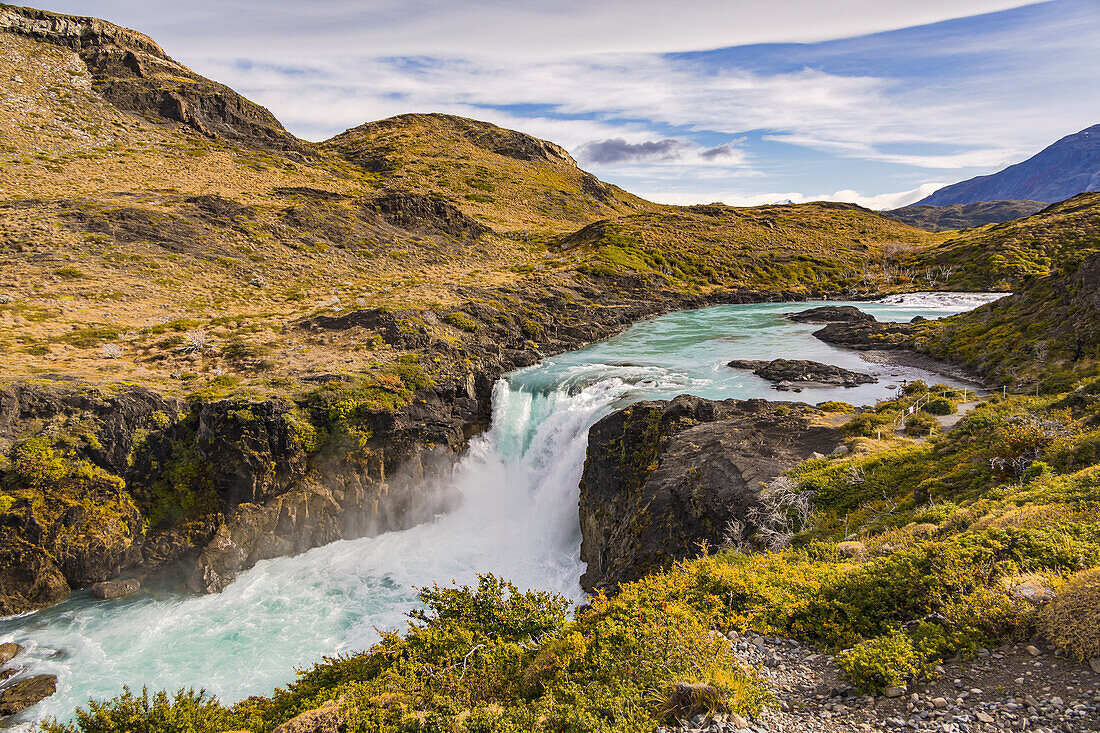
x=1003, y=256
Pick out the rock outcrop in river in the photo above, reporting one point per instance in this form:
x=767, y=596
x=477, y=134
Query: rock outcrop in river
x=794, y=374
x=663, y=477
x=831, y=314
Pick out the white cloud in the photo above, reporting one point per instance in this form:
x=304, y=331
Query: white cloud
x=878, y=202
x=282, y=29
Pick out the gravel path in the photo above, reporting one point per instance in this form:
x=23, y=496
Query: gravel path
x=1025, y=687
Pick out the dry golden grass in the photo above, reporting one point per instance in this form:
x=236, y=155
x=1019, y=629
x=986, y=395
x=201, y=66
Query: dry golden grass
x=110, y=267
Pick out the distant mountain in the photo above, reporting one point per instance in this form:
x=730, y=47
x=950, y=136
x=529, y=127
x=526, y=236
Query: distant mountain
x=964, y=216
x=1066, y=168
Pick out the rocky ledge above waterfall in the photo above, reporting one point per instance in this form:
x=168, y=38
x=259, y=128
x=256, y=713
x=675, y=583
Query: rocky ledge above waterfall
x=663, y=477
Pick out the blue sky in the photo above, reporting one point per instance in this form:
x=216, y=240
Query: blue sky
x=878, y=102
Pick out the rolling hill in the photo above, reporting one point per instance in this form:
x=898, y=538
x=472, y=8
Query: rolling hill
x=963, y=216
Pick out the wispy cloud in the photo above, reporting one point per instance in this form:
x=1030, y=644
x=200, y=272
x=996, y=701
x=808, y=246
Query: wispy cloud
x=276, y=29
x=822, y=108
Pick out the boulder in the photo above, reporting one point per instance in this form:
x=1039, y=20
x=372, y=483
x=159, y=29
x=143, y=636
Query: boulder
x=794, y=373
x=831, y=314
x=1031, y=588
x=663, y=477
x=868, y=335
x=110, y=589
x=25, y=693
x=9, y=651
x=689, y=699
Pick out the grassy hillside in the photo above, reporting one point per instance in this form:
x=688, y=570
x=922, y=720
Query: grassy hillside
x=1043, y=339
x=818, y=246
x=512, y=182
x=177, y=244
x=1002, y=256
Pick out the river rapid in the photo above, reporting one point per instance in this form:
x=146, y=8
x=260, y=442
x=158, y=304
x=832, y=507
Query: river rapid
x=517, y=518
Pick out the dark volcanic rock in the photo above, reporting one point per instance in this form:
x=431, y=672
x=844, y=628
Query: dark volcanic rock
x=24, y=693
x=109, y=590
x=29, y=577
x=868, y=335
x=831, y=314
x=663, y=477
x=792, y=374
x=420, y=213
x=252, y=449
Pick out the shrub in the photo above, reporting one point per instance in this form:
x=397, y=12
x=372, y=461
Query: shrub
x=68, y=272
x=916, y=387
x=187, y=712
x=880, y=663
x=1072, y=620
x=920, y=423
x=834, y=406
x=462, y=321
x=869, y=424
x=939, y=406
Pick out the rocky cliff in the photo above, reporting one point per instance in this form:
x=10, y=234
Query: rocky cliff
x=134, y=74
x=661, y=478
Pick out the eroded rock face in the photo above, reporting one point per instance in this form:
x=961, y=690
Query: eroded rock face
x=251, y=448
x=663, y=477
x=420, y=213
x=135, y=75
x=832, y=314
x=791, y=374
x=29, y=578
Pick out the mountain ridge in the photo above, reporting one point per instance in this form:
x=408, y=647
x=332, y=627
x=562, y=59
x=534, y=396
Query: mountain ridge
x=1063, y=169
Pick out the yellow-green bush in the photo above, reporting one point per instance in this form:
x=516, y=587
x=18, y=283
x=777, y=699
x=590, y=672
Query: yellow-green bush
x=1072, y=620
x=461, y=320
x=834, y=406
x=886, y=661
x=939, y=406
x=920, y=423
